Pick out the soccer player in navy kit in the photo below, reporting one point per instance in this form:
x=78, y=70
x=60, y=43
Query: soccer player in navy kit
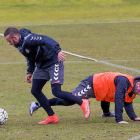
x=45, y=62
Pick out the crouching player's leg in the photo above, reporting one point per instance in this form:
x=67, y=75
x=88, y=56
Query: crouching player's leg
x=105, y=107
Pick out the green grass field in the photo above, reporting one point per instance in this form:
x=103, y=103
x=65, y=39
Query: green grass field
x=116, y=43
x=15, y=12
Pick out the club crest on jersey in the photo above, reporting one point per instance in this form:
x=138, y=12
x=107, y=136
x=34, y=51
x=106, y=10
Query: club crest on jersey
x=27, y=51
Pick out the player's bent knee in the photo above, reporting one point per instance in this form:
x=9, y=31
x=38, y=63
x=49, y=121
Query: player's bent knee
x=34, y=92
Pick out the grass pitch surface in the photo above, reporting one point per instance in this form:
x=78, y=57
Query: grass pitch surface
x=116, y=43
x=15, y=12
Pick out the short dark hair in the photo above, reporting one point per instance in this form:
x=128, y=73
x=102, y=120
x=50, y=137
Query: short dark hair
x=11, y=31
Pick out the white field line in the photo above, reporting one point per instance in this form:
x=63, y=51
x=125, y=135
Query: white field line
x=79, y=56
x=1, y=34
x=73, y=23
x=130, y=60
x=135, y=138
x=103, y=62
x=122, y=67
x=5, y=63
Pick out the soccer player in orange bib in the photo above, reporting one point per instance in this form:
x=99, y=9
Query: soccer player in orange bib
x=105, y=87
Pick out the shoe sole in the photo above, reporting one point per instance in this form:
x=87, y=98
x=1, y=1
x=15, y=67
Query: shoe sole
x=89, y=112
x=50, y=122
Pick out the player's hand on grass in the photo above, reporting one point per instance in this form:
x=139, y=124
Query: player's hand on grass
x=123, y=122
x=28, y=78
x=61, y=56
x=137, y=119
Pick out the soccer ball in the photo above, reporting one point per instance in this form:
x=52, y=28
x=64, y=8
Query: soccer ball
x=3, y=116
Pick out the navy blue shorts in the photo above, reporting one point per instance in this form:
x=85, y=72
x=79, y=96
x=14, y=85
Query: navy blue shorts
x=55, y=73
x=85, y=89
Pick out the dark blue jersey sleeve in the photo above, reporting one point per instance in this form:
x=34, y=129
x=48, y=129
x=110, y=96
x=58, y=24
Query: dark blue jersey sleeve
x=122, y=84
x=31, y=65
x=129, y=110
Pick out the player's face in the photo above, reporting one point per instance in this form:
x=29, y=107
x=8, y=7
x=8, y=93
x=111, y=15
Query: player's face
x=12, y=40
x=137, y=88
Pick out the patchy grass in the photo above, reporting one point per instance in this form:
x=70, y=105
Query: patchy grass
x=107, y=42
x=100, y=41
x=67, y=11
